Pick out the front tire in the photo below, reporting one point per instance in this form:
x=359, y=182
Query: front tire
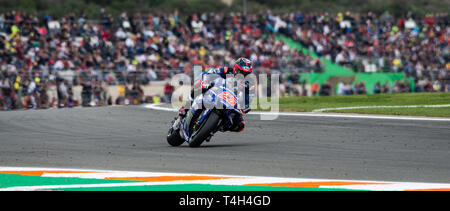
x=205, y=130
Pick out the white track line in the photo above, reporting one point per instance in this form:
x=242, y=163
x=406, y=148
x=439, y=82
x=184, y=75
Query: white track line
x=313, y=114
x=368, y=107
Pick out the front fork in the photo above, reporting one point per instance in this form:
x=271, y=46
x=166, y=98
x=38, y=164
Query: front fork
x=186, y=123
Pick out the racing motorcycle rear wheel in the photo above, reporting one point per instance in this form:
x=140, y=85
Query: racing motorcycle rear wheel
x=204, y=130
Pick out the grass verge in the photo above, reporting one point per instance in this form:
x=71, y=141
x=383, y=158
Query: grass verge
x=308, y=104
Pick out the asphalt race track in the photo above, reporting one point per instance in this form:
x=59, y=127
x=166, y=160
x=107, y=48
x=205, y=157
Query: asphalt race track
x=133, y=138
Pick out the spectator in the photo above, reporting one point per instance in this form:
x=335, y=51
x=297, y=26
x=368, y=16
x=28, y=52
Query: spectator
x=360, y=88
x=386, y=88
x=86, y=93
x=340, y=89
x=325, y=89
x=168, y=90
x=377, y=88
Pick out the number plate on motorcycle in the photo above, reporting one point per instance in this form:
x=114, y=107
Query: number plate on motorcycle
x=228, y=97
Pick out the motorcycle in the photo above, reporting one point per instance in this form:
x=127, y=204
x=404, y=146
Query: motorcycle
x=217, y=108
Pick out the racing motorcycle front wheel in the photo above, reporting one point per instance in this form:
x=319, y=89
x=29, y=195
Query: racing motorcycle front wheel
x=203, y=131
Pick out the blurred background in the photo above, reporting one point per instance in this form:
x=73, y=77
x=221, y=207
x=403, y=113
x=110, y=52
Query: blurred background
x=69, y=53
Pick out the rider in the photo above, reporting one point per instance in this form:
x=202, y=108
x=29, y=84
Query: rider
x=241, y=66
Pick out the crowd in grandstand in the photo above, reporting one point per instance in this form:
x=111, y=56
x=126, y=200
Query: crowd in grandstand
x=137, y=48
x=416, y=46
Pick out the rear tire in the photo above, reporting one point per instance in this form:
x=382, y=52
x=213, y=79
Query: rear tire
x=174, y=138
x=205, y=130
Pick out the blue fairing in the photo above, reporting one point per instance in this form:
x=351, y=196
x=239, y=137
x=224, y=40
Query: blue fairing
x=205, y=114
x=211, y=102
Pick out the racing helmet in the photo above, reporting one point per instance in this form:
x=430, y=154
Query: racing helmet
x=243, y=66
